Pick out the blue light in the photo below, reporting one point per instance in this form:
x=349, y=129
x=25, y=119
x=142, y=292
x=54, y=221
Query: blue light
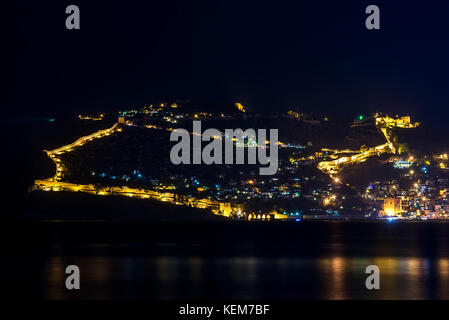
x=391, y=219
x=297, y=220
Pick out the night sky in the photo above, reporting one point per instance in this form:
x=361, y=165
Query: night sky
x=270, y=55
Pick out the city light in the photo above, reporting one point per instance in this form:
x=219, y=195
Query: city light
x=216, y=197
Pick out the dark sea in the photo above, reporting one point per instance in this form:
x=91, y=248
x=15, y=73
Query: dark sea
x=226, y=260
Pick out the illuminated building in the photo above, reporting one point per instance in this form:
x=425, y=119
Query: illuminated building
x=94, y=118
x=240, y=107
x=225, y=208
x=392, y=206
x=402, y=164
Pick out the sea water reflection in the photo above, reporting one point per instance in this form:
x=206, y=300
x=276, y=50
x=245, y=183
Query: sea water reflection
x=168, y=277
x=316, y=261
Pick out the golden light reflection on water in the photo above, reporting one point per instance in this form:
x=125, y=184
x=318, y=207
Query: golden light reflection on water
x=443, y=281
x=335, y=277
x=166, y=268
x=400, y=278
x=55, y=275
x=243, y=269
x=95, y=273
x=195, y=271
x=332, y=272
x=388, y=267
x=414, y=274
